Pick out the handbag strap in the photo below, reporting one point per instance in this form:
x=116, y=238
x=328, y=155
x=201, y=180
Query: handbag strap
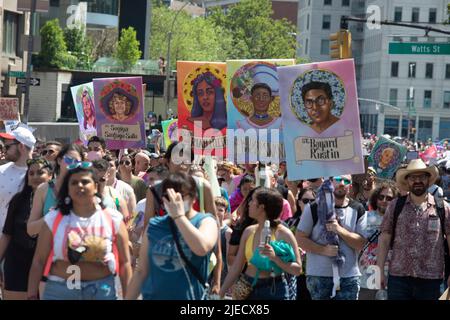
x=190, y=266
x=372, y=239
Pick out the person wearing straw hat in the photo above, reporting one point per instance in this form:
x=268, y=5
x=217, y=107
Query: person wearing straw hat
x=413, y=227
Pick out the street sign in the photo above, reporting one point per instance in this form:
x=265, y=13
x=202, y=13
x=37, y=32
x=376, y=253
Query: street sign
x=16, y=74
x=33, y=81
x=419, y=48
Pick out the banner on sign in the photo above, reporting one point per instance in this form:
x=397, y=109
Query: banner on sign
x=321, y=130
x=9, y=109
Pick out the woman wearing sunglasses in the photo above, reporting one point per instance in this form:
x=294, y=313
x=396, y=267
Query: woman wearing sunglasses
x=44, y=199
x=16, y=246
x=162, y=272
x=126, y=175
x=378, y=200
x=82, y=245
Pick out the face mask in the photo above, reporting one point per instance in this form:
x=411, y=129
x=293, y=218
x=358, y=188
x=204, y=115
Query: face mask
x=187, y=205
x=94, y=155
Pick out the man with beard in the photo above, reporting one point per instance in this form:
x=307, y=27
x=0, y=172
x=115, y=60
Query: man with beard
x=413, y=227
x=348, y=223
x=379, y=200
x=19, y=143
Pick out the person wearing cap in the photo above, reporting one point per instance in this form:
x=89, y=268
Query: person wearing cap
x=416, y=238
x=19, y=144
x=154, y=160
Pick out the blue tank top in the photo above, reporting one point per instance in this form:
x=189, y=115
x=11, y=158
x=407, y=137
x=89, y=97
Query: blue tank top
x=50, y=198
x=167, y=280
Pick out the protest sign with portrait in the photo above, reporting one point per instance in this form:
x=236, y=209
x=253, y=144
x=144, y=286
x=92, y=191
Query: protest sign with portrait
x=170, y=131
x=120, y=112
x=320, y=112
x=83, y=101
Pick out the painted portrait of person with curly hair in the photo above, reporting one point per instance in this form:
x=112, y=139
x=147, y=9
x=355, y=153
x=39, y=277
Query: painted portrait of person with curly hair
x=120, y=107
x=88, y=110
x=209, y=105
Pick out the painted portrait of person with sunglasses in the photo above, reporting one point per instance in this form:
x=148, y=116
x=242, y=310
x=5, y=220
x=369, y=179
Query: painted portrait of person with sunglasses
x=318, y=101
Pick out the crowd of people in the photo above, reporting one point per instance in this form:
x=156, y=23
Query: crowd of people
x=84, y=222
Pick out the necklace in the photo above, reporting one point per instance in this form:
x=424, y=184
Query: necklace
x=261, y=117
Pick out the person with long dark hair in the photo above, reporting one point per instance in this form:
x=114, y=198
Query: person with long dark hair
x=16, y=246
x=81, y=234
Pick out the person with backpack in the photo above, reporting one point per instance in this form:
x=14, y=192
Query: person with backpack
x=81, y=245
x=331, y=231
x=174, y=257
x=414, y=227
x=378, y=201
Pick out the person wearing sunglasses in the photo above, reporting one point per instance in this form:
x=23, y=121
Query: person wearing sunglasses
x=332, y=240
x=85, y=234
x=162, y=274
x=126, y=175
x=16, y=246
x=18, y=146
x=379, y=201
x=123, y=188
x=318, y=102
x=51, y=150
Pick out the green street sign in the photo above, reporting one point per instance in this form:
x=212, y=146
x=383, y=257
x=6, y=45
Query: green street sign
x=17, y=74
x=419, y=48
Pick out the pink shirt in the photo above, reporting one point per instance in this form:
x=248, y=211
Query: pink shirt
x=286, y=213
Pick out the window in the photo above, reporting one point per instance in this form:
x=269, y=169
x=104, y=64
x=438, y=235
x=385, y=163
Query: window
x=54, y=3
x=393, y=94
x=307, y=22
x=415, y=15
x=327, y=2
x=429, y=71
x=412, y=70
x=394, y=69
x=398, y=14
x=427, y=98
x=309, y=3
x=325, y=47
x=306, y=46
x=447, y=71
x=397, y=39
x=345, y=3
x=10, y=22
x=326, y=22
x=432, y=15
x=446, y=99
x=414, y=39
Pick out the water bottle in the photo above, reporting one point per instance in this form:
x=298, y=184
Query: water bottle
x=381, y=295
x=266, y=234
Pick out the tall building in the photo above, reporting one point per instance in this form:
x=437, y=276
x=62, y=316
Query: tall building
x=415, y=86
x=13, y=24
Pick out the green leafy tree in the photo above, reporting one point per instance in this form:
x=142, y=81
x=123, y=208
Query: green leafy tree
x=127, y=52
x=53, y=47
x=195, y=39
x=80, y=46
x=255, y=34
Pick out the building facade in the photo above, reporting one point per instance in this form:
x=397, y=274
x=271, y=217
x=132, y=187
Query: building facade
x=414, y=87
x=13, y=24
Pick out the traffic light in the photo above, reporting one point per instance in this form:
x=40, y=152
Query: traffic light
x=341, y=45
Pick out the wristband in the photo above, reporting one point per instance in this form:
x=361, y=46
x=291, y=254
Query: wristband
x=178, y=216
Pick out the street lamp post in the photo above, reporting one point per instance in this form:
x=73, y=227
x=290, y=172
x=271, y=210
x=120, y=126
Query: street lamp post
x=168, y=57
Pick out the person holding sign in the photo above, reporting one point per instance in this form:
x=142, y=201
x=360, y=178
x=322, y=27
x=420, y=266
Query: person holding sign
x=318, y=101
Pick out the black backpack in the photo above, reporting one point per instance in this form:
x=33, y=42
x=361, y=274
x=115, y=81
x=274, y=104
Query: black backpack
x=352, y=204
x=440, y=209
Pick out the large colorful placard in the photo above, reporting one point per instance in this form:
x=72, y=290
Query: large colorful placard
x=120, y=112
x=258, y=115
x=170, y=131
x=320, y=112
x=202, y=110
x=9, y=109
x=386, y=156
x=83, y=100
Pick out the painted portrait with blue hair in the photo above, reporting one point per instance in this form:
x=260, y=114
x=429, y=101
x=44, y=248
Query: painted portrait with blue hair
x=209, y=104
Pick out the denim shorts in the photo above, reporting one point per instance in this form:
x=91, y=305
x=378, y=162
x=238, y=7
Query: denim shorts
x=269, y=289
x=103, y=289
x=321, y=288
